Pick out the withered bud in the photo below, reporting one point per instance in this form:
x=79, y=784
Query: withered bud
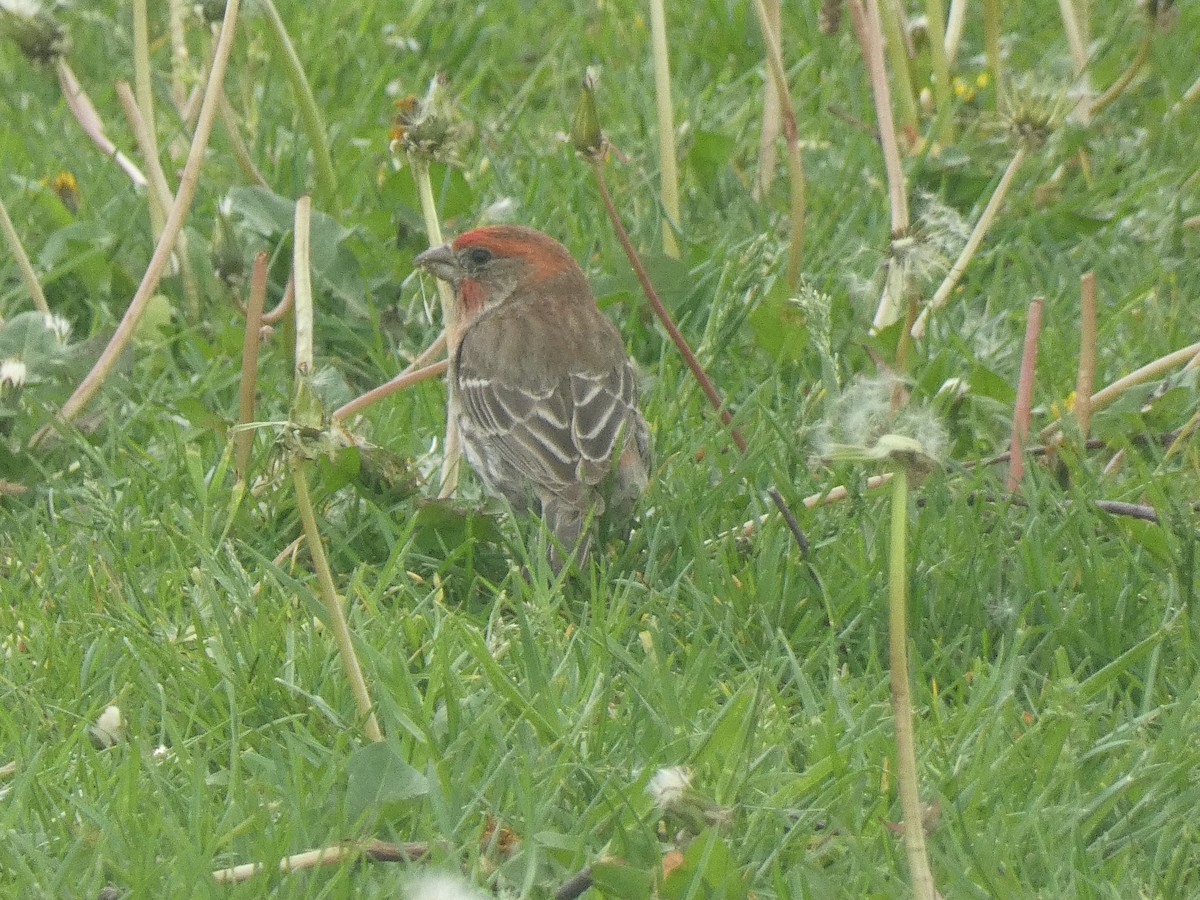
x=586, y=136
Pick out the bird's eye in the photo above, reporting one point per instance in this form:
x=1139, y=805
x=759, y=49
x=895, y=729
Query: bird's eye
x=477, y=256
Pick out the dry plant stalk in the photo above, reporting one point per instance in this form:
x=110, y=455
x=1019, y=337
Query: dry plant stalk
x=791, y=137
x=243, y=440
x=162, y=251
x=1126, y=78
x=24, y=266
x=935, y=15
x=771, y=120
x=306, y=103
x=991, y=47
x=380, y=851
x=942, y=294
x=160, y=194
x=1086, y=376
x=145, y=106
x=452, y=449
x=1108, y=395
x=667, y=167
x=304, y=369
x=1021, y=412
x=405, y=379
x=596, y=159
x=955, y=22
x=869, y=30
x=897, y=50
x=89, y=120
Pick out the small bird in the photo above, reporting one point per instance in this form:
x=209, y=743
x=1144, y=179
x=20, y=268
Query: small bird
x=544, y=394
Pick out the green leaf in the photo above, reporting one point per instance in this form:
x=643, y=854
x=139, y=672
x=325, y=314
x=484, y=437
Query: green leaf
x=380, y=783
x=708, y=871
x=621, y=882
x=986, y=383
x=334, y=265
x=709, y=154
x=779, y=325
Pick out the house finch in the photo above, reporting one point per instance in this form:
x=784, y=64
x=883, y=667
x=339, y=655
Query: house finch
x=545, y=397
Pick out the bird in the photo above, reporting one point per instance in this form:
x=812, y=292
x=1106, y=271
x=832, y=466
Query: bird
x=544, y=393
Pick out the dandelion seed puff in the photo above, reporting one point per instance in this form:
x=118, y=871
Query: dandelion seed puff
x=668, y=785
x=12, y=373
x=439, y=886
x=109, y=728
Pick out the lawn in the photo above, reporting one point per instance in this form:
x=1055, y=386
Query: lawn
x=1055, y=660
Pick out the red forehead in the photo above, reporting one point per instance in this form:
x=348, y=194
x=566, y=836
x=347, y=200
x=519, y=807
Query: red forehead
x=545, y=253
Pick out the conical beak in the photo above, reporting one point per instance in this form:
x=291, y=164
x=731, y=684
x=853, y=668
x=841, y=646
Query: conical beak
x=441, y=262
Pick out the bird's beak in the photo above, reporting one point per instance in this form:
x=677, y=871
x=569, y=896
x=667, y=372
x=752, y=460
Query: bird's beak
x=441, y=262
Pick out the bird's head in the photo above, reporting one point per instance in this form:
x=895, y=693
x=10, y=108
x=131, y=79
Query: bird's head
x=489, y=266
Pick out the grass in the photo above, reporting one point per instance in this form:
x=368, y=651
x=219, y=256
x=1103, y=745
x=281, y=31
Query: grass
x=1054, y=648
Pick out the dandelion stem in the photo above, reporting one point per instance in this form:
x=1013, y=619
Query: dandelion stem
x=1021, y=411
x=1075, y=24
x=668, y=171
x=681, y=344
x=935, y=14
x=241, y=153
x=898, y=54
x=1123, y=81
x=176, y=15
x=243, y=440
x=333, y=606
x=452, y=452
x=302, y=276
x=411, y=375
x=380, y=851
x=906, y=755
x=160, y=194
x=870, y=38
x=310, y=115
x=991, y=47
x=954, y=30
x=22, y=258
x=772, y=122
x=1106, y=396
x=145, y=105
x=304, y=366
x=162, y=250
x=778, y=76
x=976, y=238
x=89, y=120
x=1086, y=376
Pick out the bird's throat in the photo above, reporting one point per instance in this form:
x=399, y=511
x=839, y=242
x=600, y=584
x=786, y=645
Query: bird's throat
x=470, y=298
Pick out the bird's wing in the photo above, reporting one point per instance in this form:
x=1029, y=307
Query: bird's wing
x=561, y=437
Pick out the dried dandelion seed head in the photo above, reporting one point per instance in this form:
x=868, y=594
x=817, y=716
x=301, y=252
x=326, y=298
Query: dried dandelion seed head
x=59, y=326
x=38, y=34
x=438, y=886
x=12, y=376
x=1032, y=113
x=427, y=127
x=668, y=786
x=864, y=426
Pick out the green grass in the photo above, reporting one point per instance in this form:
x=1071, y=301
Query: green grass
x=1054, y=648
